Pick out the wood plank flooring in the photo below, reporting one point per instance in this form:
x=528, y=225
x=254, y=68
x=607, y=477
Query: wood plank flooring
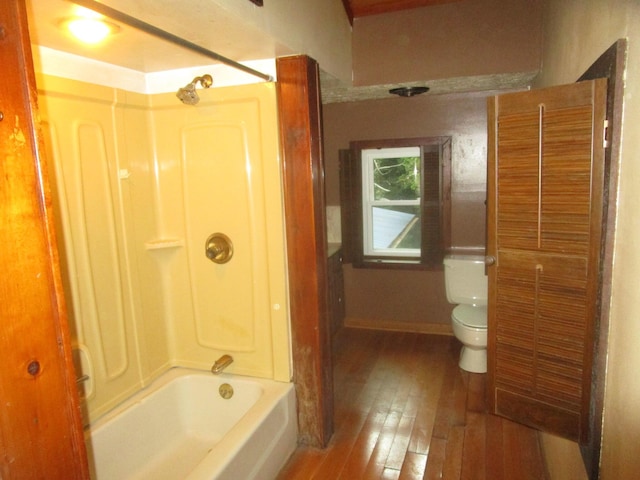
x=405, y=411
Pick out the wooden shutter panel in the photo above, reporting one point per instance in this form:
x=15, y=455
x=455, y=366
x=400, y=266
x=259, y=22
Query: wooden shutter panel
x=545, y=187
x=350, y=207
x=431, y=231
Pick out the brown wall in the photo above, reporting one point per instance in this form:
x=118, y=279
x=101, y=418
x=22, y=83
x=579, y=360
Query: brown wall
x=412, y=300
x=459, y=39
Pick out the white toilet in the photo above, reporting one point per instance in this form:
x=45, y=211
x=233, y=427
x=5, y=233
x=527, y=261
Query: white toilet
x=466, y=286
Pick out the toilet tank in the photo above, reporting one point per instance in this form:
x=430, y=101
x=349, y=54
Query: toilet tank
x=464, y=279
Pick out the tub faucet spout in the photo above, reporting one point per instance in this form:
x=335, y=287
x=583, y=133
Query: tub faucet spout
x=222, y=363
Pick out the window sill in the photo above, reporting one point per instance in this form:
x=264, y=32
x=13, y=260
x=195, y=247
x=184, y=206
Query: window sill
x=385, y=264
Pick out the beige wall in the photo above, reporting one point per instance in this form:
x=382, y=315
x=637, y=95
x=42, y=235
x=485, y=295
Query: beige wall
x=458, y=39
x=318, y=29
x=413, y=300
x=576, y=32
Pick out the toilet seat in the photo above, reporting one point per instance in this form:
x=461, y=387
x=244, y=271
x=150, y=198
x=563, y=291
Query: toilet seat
x=470, y=316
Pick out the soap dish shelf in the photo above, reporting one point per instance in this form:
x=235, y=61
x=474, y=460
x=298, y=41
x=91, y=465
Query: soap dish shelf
x=164, y=243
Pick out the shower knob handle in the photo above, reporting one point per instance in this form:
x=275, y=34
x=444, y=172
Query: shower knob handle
x=218, y=248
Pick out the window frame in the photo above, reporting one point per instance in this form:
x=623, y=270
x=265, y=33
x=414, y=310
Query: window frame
x=432, y=249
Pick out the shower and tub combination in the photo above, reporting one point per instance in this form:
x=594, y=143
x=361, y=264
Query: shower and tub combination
x=171, y=232
x=170, y=218
x=192, y=425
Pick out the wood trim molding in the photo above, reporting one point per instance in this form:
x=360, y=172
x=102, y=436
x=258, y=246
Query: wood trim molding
x=305, y=217
x=363, y=8
x=348, y=10
x=42, y=434
x=610, y=65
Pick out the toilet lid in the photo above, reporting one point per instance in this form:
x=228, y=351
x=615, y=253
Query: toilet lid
x=475, y=317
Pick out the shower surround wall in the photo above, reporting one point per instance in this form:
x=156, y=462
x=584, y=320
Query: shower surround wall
x=141, y=181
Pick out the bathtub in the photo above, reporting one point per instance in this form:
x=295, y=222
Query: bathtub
x=180, y=427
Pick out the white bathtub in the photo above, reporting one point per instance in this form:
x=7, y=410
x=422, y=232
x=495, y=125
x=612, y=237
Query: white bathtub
x=181, y=428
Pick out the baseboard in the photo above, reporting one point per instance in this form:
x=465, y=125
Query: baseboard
x=562, y=458
x=429, y=328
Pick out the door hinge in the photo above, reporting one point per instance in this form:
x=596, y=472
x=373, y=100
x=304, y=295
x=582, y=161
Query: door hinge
x=605, y=134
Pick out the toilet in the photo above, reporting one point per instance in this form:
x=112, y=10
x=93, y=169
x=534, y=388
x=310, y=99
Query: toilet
x=466, y=286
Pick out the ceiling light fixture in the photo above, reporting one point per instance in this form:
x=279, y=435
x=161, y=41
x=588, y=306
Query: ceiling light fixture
x=408, y=91
x=89, y=30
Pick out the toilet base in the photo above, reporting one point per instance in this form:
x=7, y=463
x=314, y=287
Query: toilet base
x=473, y=360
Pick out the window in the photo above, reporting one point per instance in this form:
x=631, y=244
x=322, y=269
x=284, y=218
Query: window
x=391, y=201
x=395, y=204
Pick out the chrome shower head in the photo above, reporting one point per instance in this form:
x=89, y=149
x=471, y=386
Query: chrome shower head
x=188, y=94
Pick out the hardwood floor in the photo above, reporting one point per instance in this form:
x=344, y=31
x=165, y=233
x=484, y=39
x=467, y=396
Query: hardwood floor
x=404, y=410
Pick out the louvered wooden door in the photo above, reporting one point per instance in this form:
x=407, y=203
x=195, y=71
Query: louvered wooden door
x=545, y=194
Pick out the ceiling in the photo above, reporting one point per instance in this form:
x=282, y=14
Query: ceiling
x=142, y=52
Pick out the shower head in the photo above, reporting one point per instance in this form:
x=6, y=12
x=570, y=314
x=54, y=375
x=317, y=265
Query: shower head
x=188, y=94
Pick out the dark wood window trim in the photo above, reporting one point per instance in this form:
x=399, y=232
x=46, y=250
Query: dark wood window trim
x=436, y=234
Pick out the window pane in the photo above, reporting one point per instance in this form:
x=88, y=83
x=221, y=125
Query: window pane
x=396, y=178
x=396, y=227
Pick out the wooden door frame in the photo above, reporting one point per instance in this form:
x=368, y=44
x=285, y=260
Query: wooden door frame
x=610, y=65
x=41, y=433
x=300, y=121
